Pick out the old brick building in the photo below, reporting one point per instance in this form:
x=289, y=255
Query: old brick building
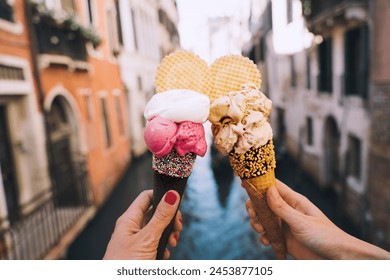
x=64, y=137
x=326, y=71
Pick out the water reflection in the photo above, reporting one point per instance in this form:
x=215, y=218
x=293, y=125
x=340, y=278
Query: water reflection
x=223, y=174
x=216, y=225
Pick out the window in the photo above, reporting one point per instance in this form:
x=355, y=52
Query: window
x=308, y=72
x=354, y=157
x=139, y=82
x=356, y=61
x=11, y=73
x=88, y=106
x=289, y=11
x=281, y=125
x=119, y=115
x=118, y=22
x=112, y=31
x=134, y=29
x=262, y=49
x=106, y=124
x=309, y=131
x=90, y=12
x=325, y=83
x=293, y=72
x=6, y=10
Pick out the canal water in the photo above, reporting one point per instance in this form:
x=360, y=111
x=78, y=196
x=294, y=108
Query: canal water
x=216, y=224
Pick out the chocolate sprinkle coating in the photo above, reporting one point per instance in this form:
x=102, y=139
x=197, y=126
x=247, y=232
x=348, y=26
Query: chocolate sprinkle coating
x=174, y=165
x=255, y=162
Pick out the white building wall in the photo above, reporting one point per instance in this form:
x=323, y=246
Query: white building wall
x=299, y=102
x=138, y=62
x=27, y=136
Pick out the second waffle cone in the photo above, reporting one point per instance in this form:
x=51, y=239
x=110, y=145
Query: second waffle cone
x=256, y=184
x=257, y=192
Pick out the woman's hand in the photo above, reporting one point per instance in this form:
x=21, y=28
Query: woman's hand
x=132, y=239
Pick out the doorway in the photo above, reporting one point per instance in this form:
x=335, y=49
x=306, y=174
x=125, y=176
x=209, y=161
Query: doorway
x=331, y=152
x=7, y=167
x=62, y=164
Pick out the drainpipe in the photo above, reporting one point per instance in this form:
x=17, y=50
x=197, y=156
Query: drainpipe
x=37, y=78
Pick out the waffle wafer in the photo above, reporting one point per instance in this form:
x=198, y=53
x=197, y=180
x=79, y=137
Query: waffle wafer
x=229, y=73
x=182, y=70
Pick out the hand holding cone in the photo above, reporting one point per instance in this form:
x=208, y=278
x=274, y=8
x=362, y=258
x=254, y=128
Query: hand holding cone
x=174, y=132
x=239, y=116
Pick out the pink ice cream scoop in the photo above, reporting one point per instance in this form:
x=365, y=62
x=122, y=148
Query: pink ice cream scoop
x=160, y=135
x=191, y=138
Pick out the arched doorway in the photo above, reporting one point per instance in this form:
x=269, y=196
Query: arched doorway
x=66, y=187
x=331, y=152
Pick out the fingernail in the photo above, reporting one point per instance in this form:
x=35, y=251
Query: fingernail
x=180, y=221
x=176, y=237
x=170, y=198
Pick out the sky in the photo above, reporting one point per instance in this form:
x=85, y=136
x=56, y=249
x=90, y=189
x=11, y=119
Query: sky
x=193, y=15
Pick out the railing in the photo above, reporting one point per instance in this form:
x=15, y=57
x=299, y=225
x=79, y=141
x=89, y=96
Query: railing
x=35, y=234
x=314, y=8
x=60, y=41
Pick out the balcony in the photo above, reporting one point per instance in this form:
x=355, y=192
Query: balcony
x=60, y=36
x=318, y=12
x=57, y=40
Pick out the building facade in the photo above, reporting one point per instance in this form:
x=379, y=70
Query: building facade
x=149, y=32
x=64, y=135
x=325, y=80
x=84, y=98
x=138, y=62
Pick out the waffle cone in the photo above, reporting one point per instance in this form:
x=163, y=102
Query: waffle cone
x=229, y=73
x=256, y=168
x=179, y=70
x=257, y=192
x=182, y=70
x=162, y=184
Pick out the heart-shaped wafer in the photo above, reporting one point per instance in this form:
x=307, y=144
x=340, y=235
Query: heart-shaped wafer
x=182, y=70
x=229, y=73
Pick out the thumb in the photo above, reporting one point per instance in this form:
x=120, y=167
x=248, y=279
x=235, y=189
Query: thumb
x=164, y=213
x=281, y=208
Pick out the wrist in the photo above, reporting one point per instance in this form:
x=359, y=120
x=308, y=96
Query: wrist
x=356, y=249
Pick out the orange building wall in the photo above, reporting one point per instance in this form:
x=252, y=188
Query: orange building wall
x=15, y=44
x=105, y=165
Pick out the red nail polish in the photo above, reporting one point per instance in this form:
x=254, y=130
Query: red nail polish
x=170, y=198
x=180, y=221
x=176, y=237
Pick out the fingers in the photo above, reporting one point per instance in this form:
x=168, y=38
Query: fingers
x=256, y=225
x=281, y=208
x=167, y=254
x=137, y=210
x=264, y=239
x=177, y=228
x=165, y=212
x=296, y=200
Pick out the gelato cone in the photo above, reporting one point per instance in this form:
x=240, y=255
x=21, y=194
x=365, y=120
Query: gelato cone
x=239, y=115
x=174, y=132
